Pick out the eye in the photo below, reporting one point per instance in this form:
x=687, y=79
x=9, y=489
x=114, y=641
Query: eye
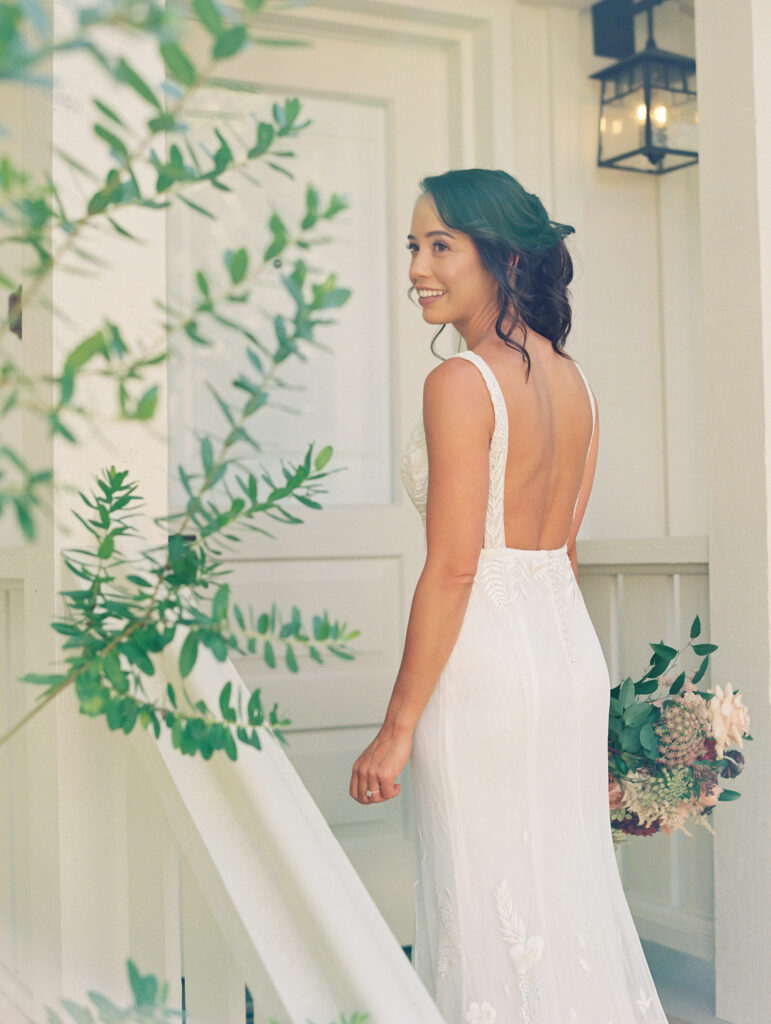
x=412, y=247
x=441, y=247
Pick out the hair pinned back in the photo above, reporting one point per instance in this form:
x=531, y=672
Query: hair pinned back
x=509, y=224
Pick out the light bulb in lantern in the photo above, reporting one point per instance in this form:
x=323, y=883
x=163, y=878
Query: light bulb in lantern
x=660, y=114
x=641, y=111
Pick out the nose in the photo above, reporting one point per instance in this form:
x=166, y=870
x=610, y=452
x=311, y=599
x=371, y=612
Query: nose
x=418, y=269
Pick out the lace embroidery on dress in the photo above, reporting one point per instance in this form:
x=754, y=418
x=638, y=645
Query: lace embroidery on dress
x=449, y=936
x=479, y=1013
x=524, y=951
x=415, y=469
x=414, y=466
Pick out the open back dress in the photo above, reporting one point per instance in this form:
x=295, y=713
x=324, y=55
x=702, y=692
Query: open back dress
x=520, y=915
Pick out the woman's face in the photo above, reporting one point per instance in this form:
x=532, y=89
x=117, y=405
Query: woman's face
x=446, y=271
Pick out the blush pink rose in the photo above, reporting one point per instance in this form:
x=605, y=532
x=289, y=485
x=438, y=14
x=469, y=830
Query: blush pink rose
x=707, y=799
x=730, y=718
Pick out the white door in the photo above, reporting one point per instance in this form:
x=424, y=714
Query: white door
x=384, y=93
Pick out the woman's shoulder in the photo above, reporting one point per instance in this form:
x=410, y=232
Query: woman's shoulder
x=456, y=384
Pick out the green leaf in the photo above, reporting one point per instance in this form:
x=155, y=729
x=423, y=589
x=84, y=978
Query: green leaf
x=147, y=404
x=178, y=64
x=121, y=230
x=237, y=264
x=229, y=42
x=728, y=794
x=265, y=135
x=209, y=16
x=630, y=740
x=194, y=206
x=627, y=693
x=162, y=123
x=171, y=695
x=254, y=709
x=695, y=628
x=677, y=685
x=645, y=687
x=322, y=458
x=114, y=672
x=291, y=660
x=220, y=603
x=107, y=546
x=269, y=654
x=228, y=712
x=207, y=455
x=80, y=1014
x=230, y=746
x=94, y=344
x=38, y=679
x=188, y=654
x=702, y=649
x=699, y=673
x=649, y=739
x=144, y=987
x=108, y=111
x=125, y=73
x=665, y=651
x=637, y=713
x=118, y=146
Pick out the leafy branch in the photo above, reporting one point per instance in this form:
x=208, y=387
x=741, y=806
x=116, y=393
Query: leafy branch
x=149, y=1005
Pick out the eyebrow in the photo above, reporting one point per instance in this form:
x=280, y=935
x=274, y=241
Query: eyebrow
x=430, y=233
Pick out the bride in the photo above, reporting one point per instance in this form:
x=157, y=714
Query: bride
x=501, y=700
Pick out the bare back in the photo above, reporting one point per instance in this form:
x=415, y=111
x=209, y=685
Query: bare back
x=549, y=464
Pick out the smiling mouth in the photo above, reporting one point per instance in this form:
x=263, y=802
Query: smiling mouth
x=428, y=295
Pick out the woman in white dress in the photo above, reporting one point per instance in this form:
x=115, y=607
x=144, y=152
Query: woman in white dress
x=501, y=699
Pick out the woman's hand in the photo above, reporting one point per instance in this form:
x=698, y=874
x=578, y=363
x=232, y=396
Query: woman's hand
x=375, y=771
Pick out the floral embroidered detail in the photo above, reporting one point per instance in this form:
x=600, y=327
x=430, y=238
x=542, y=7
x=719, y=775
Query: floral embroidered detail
x=449, y=936
x=414, y=469
x=524, y=951
x=491, y=576
x=479, y=1013
x=644, y=1002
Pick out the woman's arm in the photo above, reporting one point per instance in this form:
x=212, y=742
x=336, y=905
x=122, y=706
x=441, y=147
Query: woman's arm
x=458, y=419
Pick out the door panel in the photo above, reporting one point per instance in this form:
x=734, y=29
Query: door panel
x=360, y=557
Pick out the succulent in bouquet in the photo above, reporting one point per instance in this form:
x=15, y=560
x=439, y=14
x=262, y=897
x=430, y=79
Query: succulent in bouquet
x=671, y=745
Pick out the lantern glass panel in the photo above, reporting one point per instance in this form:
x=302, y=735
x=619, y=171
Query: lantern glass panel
x=622, y=124
x=659, y=73
x=673, y=120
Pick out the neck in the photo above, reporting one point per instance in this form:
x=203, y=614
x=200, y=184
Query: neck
x=482, y=328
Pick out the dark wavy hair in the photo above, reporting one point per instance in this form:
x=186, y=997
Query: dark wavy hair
x=505, y=222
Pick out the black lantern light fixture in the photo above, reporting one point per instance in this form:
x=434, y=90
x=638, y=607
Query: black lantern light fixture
x=648, y=114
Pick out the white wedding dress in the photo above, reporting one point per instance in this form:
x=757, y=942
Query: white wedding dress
x=520, y=912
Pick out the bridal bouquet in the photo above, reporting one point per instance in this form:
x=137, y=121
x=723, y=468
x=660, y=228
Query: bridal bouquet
x=670, y=744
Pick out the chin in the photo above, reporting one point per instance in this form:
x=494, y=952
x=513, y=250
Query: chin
x=431, y=317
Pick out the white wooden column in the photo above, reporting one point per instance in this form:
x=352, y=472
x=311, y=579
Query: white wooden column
x=734, y=82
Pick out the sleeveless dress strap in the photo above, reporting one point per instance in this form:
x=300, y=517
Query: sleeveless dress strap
x=594, y=418
x=495, y=535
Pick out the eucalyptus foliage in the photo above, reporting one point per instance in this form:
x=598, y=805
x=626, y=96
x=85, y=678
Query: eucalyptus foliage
x=149, y=1006
x=35, y=220
x=631, y=722
x=129, y=601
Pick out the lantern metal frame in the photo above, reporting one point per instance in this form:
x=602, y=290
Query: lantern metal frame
x=661, y=70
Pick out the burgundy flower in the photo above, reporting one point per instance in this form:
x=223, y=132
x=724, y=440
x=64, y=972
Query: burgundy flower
x=634, y=827
x=710, y=749
x=734, y=764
